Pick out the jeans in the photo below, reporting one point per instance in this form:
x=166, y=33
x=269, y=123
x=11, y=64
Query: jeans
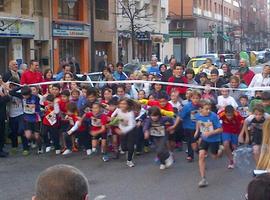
x=128, y=141
x=161, y=148
x=2, y=134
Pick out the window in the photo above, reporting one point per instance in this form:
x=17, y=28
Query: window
x=210, y=5
x=154, y=11
x=38, y=7
x=200, y=3
x=163, y=14
x=102, y=9
x=229, y=12
x=25, y=7
x=65, y=12
x=215, y=7
x=2, y=5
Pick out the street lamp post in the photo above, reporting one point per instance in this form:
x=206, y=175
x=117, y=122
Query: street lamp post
x=222, y=27
x=182, y=29
x=93, y=61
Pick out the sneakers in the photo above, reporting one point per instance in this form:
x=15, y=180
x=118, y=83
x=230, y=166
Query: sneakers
x=57, y=152
x=189, y=159
x=169, y=161
x=14, y=151
x=203, y=183
x=146, y=149
x=130, y=164
x=40, y=151
x=75, y=149
x=66, y=152
x=88, y=152
x=162, y=167
x=231, y=165
x=25, y=153
x=48, y=149
x=220, y=150
x=105, y=157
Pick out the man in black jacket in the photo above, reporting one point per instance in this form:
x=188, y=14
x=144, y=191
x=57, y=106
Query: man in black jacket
x=169, y=73
x=4, y=98
x=12, y=72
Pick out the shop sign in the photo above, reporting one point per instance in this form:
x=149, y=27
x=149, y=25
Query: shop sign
x=71, y=30
x=186, y=34
x=17, y=28
x=207, y=34
x=143, y=36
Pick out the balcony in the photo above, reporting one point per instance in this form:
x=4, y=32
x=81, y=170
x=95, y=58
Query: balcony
x=218, y=17
x=197, y=11
x=207, y=13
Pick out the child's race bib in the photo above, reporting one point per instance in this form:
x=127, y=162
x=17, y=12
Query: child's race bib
x=192, y=115
x=51, y=117
x=157, y=131
x=206, y=127
x=95, y=122
x=29, y=108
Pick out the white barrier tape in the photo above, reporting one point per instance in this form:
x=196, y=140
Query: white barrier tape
x=266, y=88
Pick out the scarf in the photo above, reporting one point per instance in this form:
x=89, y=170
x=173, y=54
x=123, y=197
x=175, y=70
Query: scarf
x=15, y=75
x=243, y=70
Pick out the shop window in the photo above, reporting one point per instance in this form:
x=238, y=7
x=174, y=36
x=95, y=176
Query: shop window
x=25, y=7
x=102, y=9
x=37, y=7
x=69, y=48
x=66, y=12
x=2, y=5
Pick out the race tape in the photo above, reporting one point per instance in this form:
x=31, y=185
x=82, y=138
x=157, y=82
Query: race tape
x=265, y=88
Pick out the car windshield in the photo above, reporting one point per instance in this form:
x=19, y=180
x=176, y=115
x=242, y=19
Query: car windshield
x=195, y=63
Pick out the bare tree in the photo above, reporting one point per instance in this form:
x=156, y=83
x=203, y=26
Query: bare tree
x=135, y=15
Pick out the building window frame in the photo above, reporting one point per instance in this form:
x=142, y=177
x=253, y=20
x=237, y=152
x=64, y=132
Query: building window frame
x=66, y=13
x=2, y=5
x=38, y=5
x=102, y=9
x=25, y=7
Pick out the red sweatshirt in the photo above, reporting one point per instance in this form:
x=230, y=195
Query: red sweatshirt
x=173, y=79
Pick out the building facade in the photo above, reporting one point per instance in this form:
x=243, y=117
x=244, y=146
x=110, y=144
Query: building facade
x=105, y=31
x=150, y=29
x=70, y=33
x=208, y=26
x=21, y=35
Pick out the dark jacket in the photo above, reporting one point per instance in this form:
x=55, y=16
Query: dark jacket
x=3, y=104
x=166, y=75
x=7, y=76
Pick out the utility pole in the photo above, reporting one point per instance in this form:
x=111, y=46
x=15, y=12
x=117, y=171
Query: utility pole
x=92, y=11
x=222, y=27
x=182, y=32
x=242, y=27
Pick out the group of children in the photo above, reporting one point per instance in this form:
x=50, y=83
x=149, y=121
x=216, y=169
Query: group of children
x=84, y=118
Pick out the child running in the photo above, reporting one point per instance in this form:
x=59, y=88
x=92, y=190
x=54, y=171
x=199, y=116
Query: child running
x=155, y=127
x=126, y=127
x=209, y=128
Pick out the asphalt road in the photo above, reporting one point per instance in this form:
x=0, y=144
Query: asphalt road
x=115, y=181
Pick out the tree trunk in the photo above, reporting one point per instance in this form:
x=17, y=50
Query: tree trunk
x=133, y=40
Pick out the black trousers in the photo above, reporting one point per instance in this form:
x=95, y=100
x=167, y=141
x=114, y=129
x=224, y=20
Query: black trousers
x=128, y=141
x=2, y=134
x=17, y=129
x=50, y=132
x=84, y=139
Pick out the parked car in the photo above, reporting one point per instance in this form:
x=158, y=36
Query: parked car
x=196, y=63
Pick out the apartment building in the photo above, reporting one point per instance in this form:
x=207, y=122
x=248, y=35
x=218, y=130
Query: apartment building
x=208, y=26
x=150, y=30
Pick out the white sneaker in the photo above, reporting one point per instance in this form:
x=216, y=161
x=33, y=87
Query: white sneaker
x=130, y=164
x=162, y=167
x=40, y=151
x=88, y=152
x=57, y=152
x=48, y=149
x=33, y=145
x=66, y=152
x=169, y=162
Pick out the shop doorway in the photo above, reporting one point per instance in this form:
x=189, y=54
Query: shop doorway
x=4, y=59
